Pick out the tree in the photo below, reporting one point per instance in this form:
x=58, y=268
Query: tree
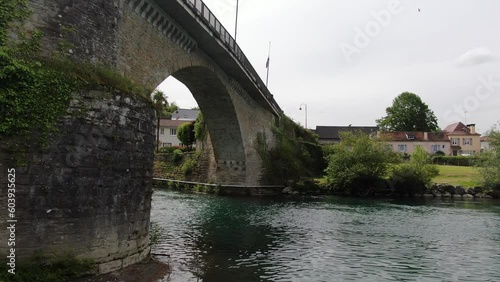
x=185, y=133
x=408, y=113
x=160, y=102
x=489, y=163
x=357, y=163
x=170, y=109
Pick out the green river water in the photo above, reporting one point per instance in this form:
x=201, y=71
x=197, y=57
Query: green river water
x=211, y=238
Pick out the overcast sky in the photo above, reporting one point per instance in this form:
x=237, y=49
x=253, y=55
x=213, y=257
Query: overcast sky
x=347, y=60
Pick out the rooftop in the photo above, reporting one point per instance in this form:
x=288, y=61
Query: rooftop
x=332, y=132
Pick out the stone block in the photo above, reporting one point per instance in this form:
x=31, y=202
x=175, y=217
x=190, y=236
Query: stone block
x=131, y=260
x=110, y=266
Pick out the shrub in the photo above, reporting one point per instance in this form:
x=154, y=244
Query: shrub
x=200, y=129
x=439, y=153
x=489, y=164
x=185, y=133
x=189, y=166
x=454, y=160
x=414, y=176
x=177, y=155
x=358, y=162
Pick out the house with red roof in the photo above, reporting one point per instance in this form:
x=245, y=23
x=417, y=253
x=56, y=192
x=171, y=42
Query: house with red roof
x=407, y=142
x=465, y=141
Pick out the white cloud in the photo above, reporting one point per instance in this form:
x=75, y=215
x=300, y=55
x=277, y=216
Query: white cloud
x=476, y=56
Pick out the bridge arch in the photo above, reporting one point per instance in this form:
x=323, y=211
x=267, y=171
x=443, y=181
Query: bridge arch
x=218, y=109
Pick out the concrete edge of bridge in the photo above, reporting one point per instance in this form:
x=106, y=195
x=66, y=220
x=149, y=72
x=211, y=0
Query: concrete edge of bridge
x=220, y=189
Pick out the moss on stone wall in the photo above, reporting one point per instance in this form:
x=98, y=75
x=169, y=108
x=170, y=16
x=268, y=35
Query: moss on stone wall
x=35, y=91
x=43, y=268
x=295, y=154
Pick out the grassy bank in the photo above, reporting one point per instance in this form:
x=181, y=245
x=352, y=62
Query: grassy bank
x=457, y=175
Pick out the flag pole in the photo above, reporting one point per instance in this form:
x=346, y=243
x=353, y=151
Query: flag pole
x=267, y=64
x=236, y=23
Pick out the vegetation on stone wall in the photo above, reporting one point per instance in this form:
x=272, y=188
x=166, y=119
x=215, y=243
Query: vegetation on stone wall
x=177, y=164
x=42, y=268
x=35, y=91
x=295, y=154
x=200, y=128
x=11, y=12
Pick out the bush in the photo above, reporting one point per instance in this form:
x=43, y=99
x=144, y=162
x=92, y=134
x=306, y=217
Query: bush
x=168, y=150
x=177, y=155
x=358, y=163
x=454, y=160
x=200, y=129
x=189, y=166
x=489, y=164
x=438, y=154
x=414, y=176
x=185, y=133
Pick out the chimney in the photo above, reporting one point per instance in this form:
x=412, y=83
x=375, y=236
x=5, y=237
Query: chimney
x=426, y=136
x=472, y=128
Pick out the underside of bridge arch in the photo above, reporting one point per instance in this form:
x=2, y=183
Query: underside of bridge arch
x=220, y=116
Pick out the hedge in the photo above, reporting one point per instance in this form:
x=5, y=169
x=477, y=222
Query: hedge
x=455, y=160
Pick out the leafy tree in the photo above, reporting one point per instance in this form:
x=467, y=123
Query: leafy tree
x=489, y=163
x=185, y=133
x=358, y=162
x=200, y=128
x=414, y=176
x=160, y=102
x=169, y=110
x=408, y=113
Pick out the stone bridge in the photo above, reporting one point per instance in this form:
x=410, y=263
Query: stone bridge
x=89, y=192
x=150, y=40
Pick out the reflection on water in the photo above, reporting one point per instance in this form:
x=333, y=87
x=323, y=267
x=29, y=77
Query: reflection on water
x=209, y=238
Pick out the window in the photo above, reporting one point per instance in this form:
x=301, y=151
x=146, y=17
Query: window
x=455, y=141
x=173, y=131
x=435, y=148
x=167, y=144
x=467, y=141
x=162, y=131
x=402, y=148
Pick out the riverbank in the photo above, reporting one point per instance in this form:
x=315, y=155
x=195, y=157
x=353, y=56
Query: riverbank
x=147, y=271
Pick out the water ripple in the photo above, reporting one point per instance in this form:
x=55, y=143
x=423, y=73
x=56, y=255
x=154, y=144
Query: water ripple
x=336, y=239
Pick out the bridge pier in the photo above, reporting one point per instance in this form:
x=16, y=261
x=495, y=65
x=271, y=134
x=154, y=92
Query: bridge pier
x=89, y=192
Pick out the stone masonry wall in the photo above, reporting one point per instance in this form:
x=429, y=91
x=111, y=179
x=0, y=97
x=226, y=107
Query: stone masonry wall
x=144, y=44
x=89, y=192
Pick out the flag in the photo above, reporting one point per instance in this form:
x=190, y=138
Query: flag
x=267, y=63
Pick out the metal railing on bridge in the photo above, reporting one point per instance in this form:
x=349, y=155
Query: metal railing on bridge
x=207, y=17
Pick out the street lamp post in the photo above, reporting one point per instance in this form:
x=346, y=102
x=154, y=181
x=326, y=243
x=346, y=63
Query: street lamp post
x=305, y=109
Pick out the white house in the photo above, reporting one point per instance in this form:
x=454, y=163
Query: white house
x=168, y=127
x=168, y=132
